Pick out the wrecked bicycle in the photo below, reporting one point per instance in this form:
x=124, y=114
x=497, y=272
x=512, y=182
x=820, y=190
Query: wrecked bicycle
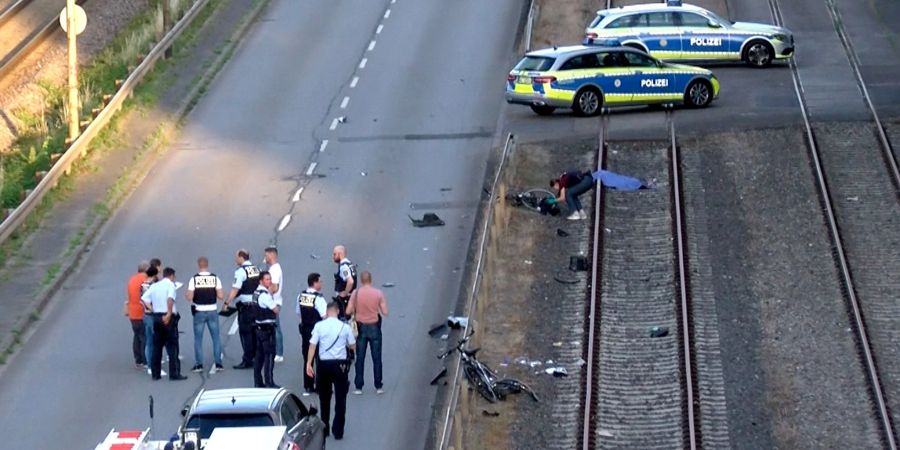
x=482, y=378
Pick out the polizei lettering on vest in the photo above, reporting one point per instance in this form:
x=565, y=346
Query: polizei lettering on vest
x=706, y=42
x=658, y=82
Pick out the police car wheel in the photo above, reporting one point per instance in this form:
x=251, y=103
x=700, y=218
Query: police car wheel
x=758, y=54
x=543, y=110
x=698, y=94
x=587, y=102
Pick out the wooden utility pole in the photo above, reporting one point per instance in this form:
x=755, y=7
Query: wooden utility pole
x=71, y=32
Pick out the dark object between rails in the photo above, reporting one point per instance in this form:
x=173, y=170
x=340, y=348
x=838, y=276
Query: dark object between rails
x=578, y=263
x=428, y=220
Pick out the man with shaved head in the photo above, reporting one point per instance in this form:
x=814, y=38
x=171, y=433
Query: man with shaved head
x=344, y=279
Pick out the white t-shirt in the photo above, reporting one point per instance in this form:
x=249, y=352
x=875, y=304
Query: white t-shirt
x=277, y=278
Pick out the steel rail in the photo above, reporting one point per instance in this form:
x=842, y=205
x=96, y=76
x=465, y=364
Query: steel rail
x=11, y=10
x=593, y=310
x=839, y=253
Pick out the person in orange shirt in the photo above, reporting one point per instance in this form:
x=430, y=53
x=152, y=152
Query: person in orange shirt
x=134, y=310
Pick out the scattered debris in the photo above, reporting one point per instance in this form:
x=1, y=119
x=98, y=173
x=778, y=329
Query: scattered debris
x=444, y=337
x=853, y=199
x=561, y=233
x=443, y=374
x=605, y=433
x=548, y=362
x=428, y=220
x=607, y=230
x=578, y=263
x=580, y=362
x=457, y=322
x=659, y=332
x=505, y=361
x=313, y=256
x=388, y=284
x=446, y=189
x=437, y=329
x=487, y=413
x=557, y=344
x=534, y=364
x=557, y=372
x=363, y=173
x=528, y=262
x=565, y=278
x=342, y=119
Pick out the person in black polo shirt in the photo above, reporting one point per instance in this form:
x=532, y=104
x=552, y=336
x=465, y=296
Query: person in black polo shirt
x=203, y=291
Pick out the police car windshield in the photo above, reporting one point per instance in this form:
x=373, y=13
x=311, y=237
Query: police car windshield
x=597, y=20
x=209, y=422
x=535, y=63
x=719, y=18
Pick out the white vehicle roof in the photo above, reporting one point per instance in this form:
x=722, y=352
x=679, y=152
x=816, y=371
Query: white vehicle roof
x=245, y=438
x=643, y=7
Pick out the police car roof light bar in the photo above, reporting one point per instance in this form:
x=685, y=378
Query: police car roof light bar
x=673, y=2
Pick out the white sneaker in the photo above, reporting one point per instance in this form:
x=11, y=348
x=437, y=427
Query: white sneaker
x=574, y=216
x=279, y=358
x=162, y=373
x=357, y=392
x=379, y=391
x=583, y=214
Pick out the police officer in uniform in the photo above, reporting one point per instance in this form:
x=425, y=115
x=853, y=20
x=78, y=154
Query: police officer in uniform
x=160, y=298
x=246, y=280
x=332, y=341
x=344, y=279
x=264, y=332
x=311, y=309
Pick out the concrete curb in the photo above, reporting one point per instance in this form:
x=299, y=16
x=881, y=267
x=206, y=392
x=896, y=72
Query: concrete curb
x=10, y=344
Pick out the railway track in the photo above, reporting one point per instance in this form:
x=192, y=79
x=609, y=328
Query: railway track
x=855, y=170
x=641, y=389
x=25, y=25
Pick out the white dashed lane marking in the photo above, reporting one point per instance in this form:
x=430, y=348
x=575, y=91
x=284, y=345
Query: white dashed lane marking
x=371, y=45
x=353, y=83
x=362, y=64
x=378, y=30
x=344, y=102
x=312, y=168
x=387, y=14
x=334, y=123
x=297, y=195
x=323, y=145
x=284, y=222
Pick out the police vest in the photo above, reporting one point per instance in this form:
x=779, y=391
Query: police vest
x=205, y=289
x=309, y=316
x=339, y=283
x=261, y=314
x=251, y=282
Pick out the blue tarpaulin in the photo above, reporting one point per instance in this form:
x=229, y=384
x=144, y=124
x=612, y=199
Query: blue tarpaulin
x=617, y=181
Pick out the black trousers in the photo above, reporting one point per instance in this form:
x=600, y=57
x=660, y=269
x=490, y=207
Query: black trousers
x=165, y=336
x=331, y=378
x=137, y=342
x=264, y=359
x=309, y=383
x=245, y=329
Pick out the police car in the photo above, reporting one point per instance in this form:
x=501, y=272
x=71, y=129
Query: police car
x=588, y=78
x=676, y=32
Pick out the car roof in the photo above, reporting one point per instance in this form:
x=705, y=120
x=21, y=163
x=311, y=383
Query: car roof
x=648, y=7
x=235, y=401
x=570, y=50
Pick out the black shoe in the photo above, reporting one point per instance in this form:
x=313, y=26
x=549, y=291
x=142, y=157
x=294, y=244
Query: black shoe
x=243, y=366
x=274, y=386
x=197, y=368
x=177, y=377
x=337, y=438
x=156, y=377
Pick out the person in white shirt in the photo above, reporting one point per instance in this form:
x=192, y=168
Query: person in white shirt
x=332, y=339
x=204, y=291
x=160, y=298
x=271, y=257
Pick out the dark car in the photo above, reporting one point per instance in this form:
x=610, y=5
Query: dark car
x=252, y=407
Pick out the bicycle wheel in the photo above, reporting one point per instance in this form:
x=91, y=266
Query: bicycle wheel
x=481, y=385
x=508, y=386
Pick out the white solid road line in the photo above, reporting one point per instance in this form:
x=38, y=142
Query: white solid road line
x=297, y=195
x=378, y=30
x=284, y=222
x=323, y=145
x=344, y=102
x=371, y=45
x=362, y=64
x=387, y=14
x=334, y=123
x=312, y=168
x=353, y=83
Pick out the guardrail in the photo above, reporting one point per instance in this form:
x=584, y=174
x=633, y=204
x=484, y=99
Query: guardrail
x=476, y=284
x=79, y=147
x=529, y=27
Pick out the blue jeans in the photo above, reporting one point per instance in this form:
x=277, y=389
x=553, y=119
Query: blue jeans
x=369, y=335
x=279, y=339
x=572, y=193
x=210, y=320
x=148, y=337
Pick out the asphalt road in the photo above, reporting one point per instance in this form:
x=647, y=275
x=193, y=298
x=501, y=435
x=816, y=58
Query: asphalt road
x=420, y=122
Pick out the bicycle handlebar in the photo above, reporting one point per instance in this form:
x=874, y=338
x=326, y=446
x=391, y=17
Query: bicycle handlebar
x=458, y=345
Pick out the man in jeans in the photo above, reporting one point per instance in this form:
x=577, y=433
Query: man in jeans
x=368, y=305
x=203, y=291
x=569, y=186
x=134, y=310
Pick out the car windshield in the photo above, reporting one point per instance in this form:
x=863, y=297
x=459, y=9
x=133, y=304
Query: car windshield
x=209, y=422
x=535, y=63
x=596, y=20
x=719, y=18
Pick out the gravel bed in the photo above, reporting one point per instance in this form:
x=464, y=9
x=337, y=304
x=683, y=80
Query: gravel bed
x=868, y=215
x=640, y=396
x=21, y=89
x=793, y=378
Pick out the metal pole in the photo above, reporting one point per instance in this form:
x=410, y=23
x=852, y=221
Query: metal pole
x=167, y=24
x=74, y=127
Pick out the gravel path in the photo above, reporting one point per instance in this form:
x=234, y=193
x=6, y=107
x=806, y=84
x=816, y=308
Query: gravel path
x=792, y=373
x=868, y=216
